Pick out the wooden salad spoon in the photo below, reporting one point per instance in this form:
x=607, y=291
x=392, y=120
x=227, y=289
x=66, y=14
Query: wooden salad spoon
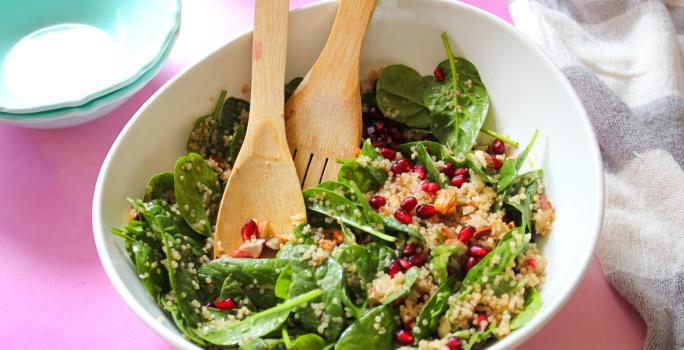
x=323, y=116
x=263, y=183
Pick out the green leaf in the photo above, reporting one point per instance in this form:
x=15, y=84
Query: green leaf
x=198, y=192
x=410, y=277
x=291, y=86
x=433, y=173
x=368, y=260
x=261, y=344
x=393, y=224
x=232, y=112
x=533, y=304
x=283, y=282
x=478, y=337
x=511, y=166
x=526, y=183
x=400, y=96
x=432, y=312
x=236, y=140
x=254, y=326
x=161, y=187
x=520, y=160
x=309, y=342
x=150, y=267
x=367, y=177
x=369, y=333
x=440, y=260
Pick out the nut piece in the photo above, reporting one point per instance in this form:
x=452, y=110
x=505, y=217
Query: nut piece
x=326, y=244
x=265, y=229
x=484, y=158
x=446, y=201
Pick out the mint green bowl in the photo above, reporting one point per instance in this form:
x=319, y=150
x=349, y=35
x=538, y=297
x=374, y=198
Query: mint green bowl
x=61, y=54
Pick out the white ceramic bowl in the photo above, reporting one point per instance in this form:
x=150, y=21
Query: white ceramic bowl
x=527, y=91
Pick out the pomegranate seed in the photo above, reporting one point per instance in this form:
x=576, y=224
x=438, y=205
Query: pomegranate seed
x=394, y=268
x=497, y=163
x=408, y=325
x=404, y=337
x=447, y=169
x=478, y=251
x=403, y=216
x=429, y=187
x=426, y=211
x=417, y=260
x=420, y=170
x=226, y=304
x=388, y=153
x=396, y=134
x=377, y=201
x=379, y=125
x=402, y=166
x=480, y=319
x=498, y=147
x=458, y=180
x=375, y=112
x=466, y=234
x=409, y=249
x=472, y=261
x=461, y=171
x=249, y=229
x=409, y=203
x=531, y=263
x=405, y=264
x=453, y=343
x=439, y=75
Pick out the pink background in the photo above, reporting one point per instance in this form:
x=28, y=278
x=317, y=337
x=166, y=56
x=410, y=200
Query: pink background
x=55, y=295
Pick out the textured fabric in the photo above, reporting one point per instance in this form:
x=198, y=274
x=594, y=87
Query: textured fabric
x=623, y=58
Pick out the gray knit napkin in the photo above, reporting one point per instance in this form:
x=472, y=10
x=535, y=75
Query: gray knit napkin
x=623, y=58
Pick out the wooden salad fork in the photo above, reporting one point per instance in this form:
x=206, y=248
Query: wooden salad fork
x=263, y=183
x=323, y=116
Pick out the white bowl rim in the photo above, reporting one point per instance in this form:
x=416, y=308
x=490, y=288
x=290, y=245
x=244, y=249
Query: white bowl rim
x=169, y=39
x=512, y=340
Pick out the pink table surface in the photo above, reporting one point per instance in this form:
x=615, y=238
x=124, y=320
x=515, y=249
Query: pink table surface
x=54, y=293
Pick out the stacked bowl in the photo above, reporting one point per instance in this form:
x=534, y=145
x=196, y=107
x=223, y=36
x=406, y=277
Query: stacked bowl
x=68, y=62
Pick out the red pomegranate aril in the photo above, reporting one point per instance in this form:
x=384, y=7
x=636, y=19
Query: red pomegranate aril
x=426, y=211
x=421, y=171
x=439, y=75
x=447, y=169
x=396, y=134
x=409, y=249
x=497, y=163
x=498, y=147
x=480, y=319
x=402, y=166
x=418, y=260
x=405, y=264
x=404, y=337
x=429, y=187
x=249, y=229
x=478, y=251
x=379, y=126
x=403, y=216
x=375, y=112
x=388, y=153
x=226, y=304
x=409, y=203
x=408, y=325
x=453, y=343
x=466, y=234
x=472, y=261
x=461, y=171
x=377, y=202
x=458, y=180
x=531, y=263
x=394, y=268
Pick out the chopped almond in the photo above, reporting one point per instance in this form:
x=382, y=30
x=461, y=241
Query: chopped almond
x=446, y=202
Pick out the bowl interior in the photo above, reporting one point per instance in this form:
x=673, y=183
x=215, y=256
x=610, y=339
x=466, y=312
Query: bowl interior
x=527, y=93
x=57, y=54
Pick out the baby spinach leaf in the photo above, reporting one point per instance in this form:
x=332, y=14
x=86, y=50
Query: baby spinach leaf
x=533, y=304
x=282, y=286
x=309, y=341
x=410, y=277
x=400, y=96
x=368, y=260
x=393, y=224
x=478, y=337
x=291, y=86
x=440, y=260
x=361, y=170
x=198, y=192
x=261, y=344
x=236, y=140
x=232, y=112
x=149, y=264
x=368, y=333
x=254, y=278
x=433, y=173
x=511, y=166
x=177, y=316
x=339, y=207
x=432, y=312
x=254, y=326
x=161, y=187
x=520, y=159
x=439, y=151
x=526, y=183
x=349, y=236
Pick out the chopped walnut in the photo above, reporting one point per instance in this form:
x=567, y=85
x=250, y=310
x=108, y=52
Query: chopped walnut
x=446, y=202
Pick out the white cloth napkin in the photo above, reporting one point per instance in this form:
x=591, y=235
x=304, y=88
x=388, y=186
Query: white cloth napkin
x=623, y=58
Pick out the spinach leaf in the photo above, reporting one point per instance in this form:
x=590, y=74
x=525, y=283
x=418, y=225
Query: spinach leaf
x=433, y=174
x=440, y=260
x=150, y=267
x=291, y=86
x=533, y=304
x=478, y=337
x=254, y=326
x=439, y=151
x=432, y=312
x=524, y=184
x=253, y=278
x=282, y=285
x=236, y=140
x=520, y=159
x=176, y=315
x=393, y=224
x=459, y=105
x=232, y=112
x=349, y=236
x=400, y=96
x=361, y=170
x=339, y=207
x=309, y=341
x=160, y=186
x=511, y=166
x=368, y=260
x=198, y=192
x=363, y=334
x=410, y=277
x=261, y=344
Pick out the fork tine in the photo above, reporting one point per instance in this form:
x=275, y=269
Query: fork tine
x=331, y=170
x=301, y=161
x=316, y=167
